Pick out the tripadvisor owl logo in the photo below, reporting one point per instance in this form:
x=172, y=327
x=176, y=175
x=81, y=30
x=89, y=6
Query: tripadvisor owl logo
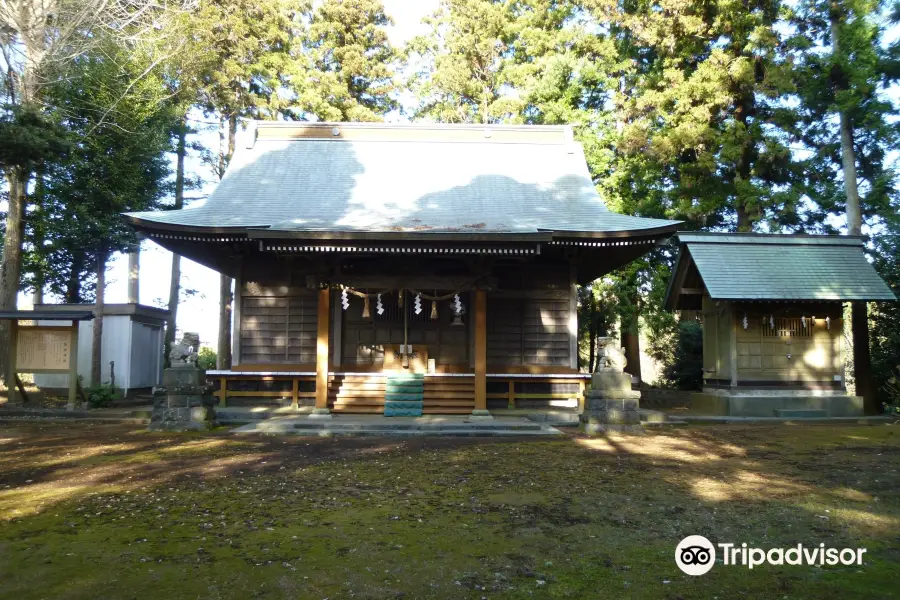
x=695, y=555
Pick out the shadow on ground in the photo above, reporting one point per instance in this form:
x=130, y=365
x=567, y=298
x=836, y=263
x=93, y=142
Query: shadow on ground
x=110, y=511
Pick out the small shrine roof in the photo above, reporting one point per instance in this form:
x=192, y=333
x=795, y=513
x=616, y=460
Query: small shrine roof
x=767, y=267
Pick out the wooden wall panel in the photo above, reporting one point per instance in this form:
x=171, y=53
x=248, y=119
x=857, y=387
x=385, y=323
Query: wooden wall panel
x=279, y=328
x=528, y=331
x=791, y=351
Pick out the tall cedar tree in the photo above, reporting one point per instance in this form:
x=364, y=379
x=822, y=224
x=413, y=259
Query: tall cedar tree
x=699, y=133
x=847, y=118
x=351, y=73
x=248, y=47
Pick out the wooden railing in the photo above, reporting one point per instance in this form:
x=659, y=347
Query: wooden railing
x=514, y=390
x=221, y=380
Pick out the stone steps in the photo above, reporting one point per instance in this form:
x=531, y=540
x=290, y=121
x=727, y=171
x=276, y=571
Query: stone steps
x=396, y=427
x=800, y=413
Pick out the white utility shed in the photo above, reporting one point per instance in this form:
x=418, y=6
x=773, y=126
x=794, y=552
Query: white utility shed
x=133, y=339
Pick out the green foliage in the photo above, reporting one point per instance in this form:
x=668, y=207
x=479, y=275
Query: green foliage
x=117, y=163
x=459, y=63
x=685, y=371
x=100, y=396
x=244, y=53
x=719, y=113
x=596, y=318
x=851, y=81
x=351, y=74
x=884, y=318
x=891, y=391
x=699, y=138
x=30, y=137
x=206, y=358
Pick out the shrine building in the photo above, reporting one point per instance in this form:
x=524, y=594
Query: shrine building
x=772, y=309
x=405, y=269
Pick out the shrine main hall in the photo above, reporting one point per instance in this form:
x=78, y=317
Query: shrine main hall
x=405, y=269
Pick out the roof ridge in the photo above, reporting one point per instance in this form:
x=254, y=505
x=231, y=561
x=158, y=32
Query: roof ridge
x=383, y=125
x=719, y=237
x=407, y=132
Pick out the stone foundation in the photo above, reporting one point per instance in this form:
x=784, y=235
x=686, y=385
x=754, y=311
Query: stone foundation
x=748, y=402
x=183, y=404
x=611, y=405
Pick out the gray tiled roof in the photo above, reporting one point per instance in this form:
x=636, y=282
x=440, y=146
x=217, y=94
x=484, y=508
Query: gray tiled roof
x=371, y=185
x=783, y=267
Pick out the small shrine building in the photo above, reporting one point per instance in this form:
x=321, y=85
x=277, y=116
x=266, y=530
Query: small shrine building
x=771, y=306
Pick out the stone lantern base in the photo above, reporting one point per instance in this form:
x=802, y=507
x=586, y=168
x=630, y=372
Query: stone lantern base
x=611, y=404
x=183, y=404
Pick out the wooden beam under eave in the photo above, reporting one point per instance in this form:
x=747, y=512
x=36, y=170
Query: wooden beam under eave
x=322, y=349
x=480, y=350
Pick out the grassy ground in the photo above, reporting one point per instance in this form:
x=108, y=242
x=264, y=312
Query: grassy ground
x=114, y=512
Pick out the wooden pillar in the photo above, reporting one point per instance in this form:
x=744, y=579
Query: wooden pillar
x=732, y=348
x=322, y=351
x=11, y=366
x=223, y=391
x=511, y=394
x=73, y=365
x=480, y=352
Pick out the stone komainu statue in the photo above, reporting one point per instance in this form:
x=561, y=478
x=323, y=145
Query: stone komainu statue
x=184, y=353
x=611, y=355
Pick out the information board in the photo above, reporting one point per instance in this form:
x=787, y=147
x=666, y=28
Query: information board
x=42, y=348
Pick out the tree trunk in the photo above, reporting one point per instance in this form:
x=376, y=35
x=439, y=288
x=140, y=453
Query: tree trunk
x=592, y=346
x=134, y=274
x=174, y=296
x=848, y=154
x=862, y=360
x=175, y=281
x=97, y=345
x=223, y=355
x=73, y=286
x=232, y=136
x=37, y=220
x=632, y=345
x=862, y=364
x=631, y=337
x=12, y=255
x=746, y=108
x=29, y=23
x=226, y=298
x=743, y=219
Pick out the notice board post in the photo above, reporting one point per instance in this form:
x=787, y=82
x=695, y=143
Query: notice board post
x=43, y=349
